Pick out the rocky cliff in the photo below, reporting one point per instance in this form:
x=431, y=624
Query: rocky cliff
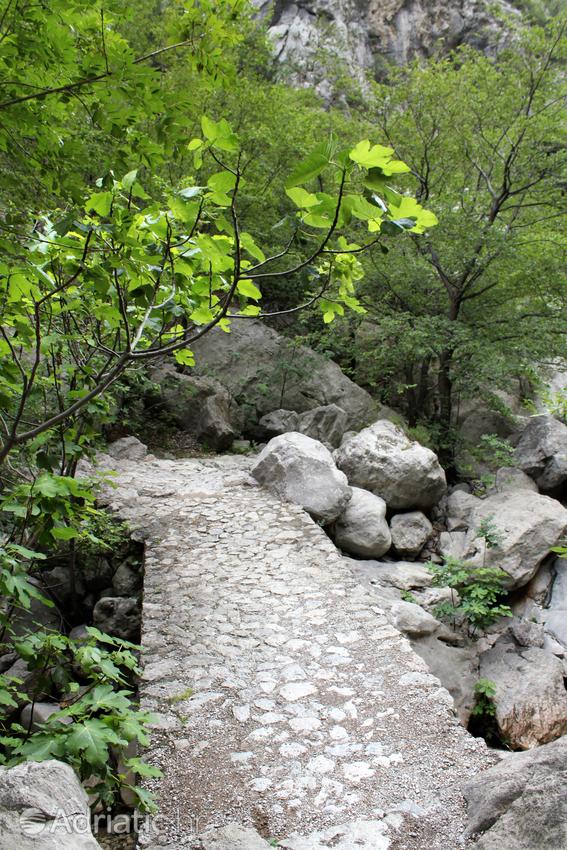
x=369, y=34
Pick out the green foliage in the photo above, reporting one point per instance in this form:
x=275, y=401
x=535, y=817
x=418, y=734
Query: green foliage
x=484, y=691
x=140, y=281
x=489, y=532
x=92, y=679
x=16, y=591
x=104, y=532
x=58, y=507
x=408, y=596
x=96, y=720
x=465, y=309
x=555, y=402
x=476, y=593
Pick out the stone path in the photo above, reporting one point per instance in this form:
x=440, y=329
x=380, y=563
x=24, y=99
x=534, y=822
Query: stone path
x=286, y=700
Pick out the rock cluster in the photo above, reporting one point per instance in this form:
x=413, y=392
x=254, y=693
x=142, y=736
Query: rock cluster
x=513, y=528
x=387, y=471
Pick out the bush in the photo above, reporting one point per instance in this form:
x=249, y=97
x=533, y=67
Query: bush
x=476, y=594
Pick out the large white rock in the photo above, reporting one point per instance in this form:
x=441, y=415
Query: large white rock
x=326, y=424
x=269, y=371
x=542, y=451
x=414, y=620
x=127, y=448
x=521, y=802
x=401, y=471
x=298, y=469
x=43, y=807
x=528, y=526
x=530, y=700
x=362, y=529
x=410, y=533
x=201, y=406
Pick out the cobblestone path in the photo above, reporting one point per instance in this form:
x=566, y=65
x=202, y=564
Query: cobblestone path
x=286, y=699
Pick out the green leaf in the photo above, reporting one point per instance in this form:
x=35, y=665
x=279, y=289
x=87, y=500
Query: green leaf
x=202, y=315
x=129, y=179
x=249, y=245
x=301, y=197
x=308, y=169
x=249, y=289
x=209, y=129
x=92, y=738
x=250, y=310
x=190, y=192
x=142, y=768
x=100, y=202
x=64, y=532
x=224, y=181
x=185, y=357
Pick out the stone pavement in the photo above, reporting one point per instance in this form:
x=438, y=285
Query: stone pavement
x=286, y=701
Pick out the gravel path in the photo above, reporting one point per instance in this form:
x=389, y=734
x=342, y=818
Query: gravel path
x=286, y=699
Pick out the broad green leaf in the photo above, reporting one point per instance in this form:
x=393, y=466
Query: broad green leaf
x=368, y=156
x=129, y=179
x=249, y=289
x=249, y=245
x=100, y=202
x=64, y=532
x=308, y=169
x=185, y=357
x=92, y=738
x=224, y=181
x=209, y=129
x=202, y=316
x=301, y=197
x=251, y=310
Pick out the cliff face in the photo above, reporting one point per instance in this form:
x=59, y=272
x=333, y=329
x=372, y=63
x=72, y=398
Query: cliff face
x=365, y=34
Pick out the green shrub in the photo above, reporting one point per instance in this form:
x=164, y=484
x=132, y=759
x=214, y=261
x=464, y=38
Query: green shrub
x=476, y=593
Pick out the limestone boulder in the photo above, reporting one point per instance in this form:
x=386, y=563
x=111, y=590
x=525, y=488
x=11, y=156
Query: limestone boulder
x=404, y=575
x=542, y=452
x=34, y=714
x=199, y=405
x=527, y=526
x=414, y=620
x=127, y=580
x=456, y=667
x=510, y=479
x=327, y=424
x=118, y=616
x=530, y=700
x=277, y=422
x=521, y=802
x=460, y=507
x=361, y=528
x=410, y=533
x=127, y=448
x=382, y=459
x=298, y=469
x=264, y=371
x=43, y=807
